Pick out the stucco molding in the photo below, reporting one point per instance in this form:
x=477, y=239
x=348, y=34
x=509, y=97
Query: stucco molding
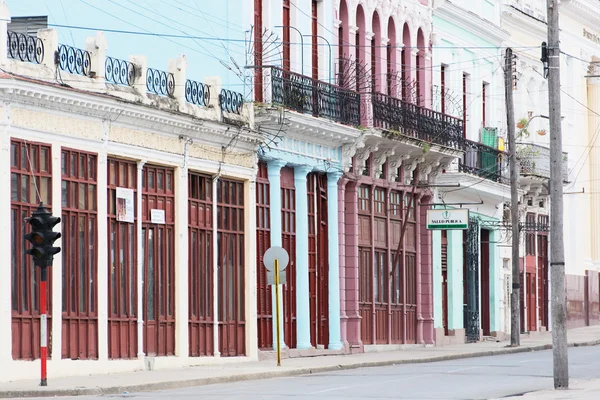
x=471, y=22
x=362, y=156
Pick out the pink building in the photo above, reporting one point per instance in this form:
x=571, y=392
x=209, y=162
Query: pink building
x=384, y=54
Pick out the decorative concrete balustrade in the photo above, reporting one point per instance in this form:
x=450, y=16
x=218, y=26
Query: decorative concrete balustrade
x=90, y=69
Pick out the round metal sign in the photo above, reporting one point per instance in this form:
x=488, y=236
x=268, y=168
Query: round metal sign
x=276, y=253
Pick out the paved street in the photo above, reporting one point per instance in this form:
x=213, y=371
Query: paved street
x=475, y=378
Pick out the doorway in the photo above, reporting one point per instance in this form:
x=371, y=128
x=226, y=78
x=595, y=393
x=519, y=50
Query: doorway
x=485, y=282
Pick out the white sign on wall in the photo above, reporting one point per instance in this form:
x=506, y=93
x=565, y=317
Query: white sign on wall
x=124, y=202
x=448, y=219
x=157, y=216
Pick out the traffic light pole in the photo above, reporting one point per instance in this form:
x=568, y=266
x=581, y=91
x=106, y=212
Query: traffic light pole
x=42, y=238
x=44, y=325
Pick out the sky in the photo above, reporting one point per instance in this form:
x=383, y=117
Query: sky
x=215, y=25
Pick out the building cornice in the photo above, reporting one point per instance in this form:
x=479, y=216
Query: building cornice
x=471, y=22
x=517, y=19
x=134, y=115
x=585, y=11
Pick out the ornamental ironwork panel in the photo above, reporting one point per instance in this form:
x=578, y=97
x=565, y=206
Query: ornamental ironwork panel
x=119, y=72
x=484, y=161
x=160, y=82
x=472, y=287
x=25, y=48
x=399, y=117
x=535, y=160
x=197, y=93
x=231, y=102
x=73, y=60
x=320, y=99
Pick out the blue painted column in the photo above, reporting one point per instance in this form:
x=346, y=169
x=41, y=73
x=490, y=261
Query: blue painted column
x=455, y=279
x=302, y=286
x=274, y=169
x=335, y=342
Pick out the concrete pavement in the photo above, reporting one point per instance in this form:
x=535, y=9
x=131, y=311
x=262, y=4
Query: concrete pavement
x=143, y=381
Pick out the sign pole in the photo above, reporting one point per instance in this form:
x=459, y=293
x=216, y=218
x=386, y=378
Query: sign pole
x=278, y=346
x=43, y=325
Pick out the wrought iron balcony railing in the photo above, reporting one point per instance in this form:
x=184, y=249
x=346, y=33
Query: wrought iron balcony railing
x=231, y=102
x=73, y=60
x=25, y=48
x=197, y=93
x=484, y=161
x=535, y=160
x=119, y=72
x=395, y=115
x=160, y=82
x=320, y=99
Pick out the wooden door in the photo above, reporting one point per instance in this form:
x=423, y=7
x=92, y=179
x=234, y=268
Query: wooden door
x=485, y=282
x=318, y=259
x=531, y=302
x=231, y=286
x=80, y=259
x=30, y=167
x=200, y=265
x=122, y=261
x=288, y=229
x=264, y=299
x=158, y=252
x=543, y=278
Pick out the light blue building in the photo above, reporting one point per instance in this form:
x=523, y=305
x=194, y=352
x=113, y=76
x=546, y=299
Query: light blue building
x=468, y=83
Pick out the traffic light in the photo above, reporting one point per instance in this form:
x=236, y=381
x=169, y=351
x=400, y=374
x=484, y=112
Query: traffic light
x=42, y=236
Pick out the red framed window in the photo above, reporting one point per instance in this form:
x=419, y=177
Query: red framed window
x=200, y=265
x=258, y=49
x=395, y=204
x=80, y=262
x=443, y=88
x=122, y=259
x=286, y=35
x=364, y=198
x=464, y=103
x=315, y=40
x=30, y=184
x=379, y=201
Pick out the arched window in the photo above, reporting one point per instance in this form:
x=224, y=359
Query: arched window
x=391, y=56
x=375, y=54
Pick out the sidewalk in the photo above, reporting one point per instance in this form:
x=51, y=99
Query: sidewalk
x=203, y=375
x=584, y=390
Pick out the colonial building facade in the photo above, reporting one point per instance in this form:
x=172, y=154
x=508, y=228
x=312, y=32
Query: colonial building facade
x=153, y=176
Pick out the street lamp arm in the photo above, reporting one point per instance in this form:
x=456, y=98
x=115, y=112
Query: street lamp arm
x=301, y=44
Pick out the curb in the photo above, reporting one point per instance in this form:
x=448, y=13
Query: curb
x=98, y=391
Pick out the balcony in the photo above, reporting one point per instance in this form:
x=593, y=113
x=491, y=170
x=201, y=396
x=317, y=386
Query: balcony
x=397, y=116
x=485, y=162
x=534, y=160
x=317, y=98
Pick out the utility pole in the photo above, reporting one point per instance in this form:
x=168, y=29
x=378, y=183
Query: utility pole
x=515, y=317
x=557, y=250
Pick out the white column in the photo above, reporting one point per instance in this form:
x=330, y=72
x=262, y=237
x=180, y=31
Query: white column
x=181, y=262
x=335, y=342
x=302, y=284
x=178, y=67
x=274, y=169
x=140, y=262
x=217, y=353
x=97, y=45
x=251, y=269
x=5, y=239
x=102, y=252
x=4, y=20
x=56, y=269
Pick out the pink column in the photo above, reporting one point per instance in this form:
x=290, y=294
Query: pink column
x=351, y=264
x=419, y=259
x=342, y=250
x=426, y=285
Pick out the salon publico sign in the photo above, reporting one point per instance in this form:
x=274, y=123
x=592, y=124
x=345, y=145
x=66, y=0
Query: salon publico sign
x=448, y=219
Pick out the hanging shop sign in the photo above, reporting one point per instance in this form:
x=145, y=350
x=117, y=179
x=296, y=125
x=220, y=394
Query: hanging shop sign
x=448, y=219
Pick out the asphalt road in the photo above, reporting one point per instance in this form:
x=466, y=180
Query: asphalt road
x=474, y=378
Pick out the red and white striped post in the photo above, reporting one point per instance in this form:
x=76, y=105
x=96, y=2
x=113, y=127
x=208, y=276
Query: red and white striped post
x=43, y=325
